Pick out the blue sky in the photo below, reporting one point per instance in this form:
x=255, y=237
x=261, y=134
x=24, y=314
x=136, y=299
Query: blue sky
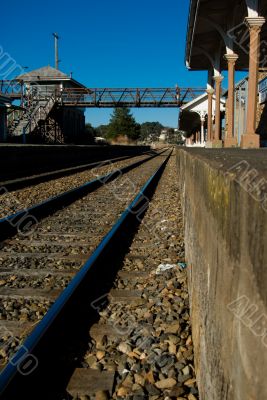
x=105, y=43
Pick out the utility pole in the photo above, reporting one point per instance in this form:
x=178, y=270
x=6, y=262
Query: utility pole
x=56, y=49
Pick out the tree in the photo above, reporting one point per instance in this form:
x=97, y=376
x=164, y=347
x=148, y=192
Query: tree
x=123, y=123
x=102, y=131
x=151, y=131
x=175, y=137
x=88, y=135
x=89, y=128
x=180, y=137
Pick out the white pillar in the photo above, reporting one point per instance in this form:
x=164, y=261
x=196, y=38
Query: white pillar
x=202, y=138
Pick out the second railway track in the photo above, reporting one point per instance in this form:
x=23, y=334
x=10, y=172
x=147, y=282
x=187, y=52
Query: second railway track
x=23, y=182
x=25, y=192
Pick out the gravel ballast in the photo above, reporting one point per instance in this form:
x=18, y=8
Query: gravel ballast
x=150, y=347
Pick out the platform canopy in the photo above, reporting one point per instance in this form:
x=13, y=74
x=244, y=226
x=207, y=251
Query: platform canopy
x=217, y=25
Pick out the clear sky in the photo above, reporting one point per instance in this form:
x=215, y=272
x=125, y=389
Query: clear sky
x=105, y=43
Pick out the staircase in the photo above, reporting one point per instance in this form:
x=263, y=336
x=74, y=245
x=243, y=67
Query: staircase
x=37, y=111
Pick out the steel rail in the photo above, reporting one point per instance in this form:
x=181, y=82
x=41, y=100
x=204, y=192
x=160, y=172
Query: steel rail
x=14, y=184
x=49, y=333
x=26, y=218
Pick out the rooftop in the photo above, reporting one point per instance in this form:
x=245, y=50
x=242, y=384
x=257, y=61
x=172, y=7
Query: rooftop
x=47, y=73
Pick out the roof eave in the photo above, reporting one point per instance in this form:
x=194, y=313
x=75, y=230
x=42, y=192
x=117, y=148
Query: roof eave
x=77, y=83
x=190, y=31
x=51, y=79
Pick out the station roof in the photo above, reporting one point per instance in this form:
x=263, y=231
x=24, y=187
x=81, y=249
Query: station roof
x=203, y=36
x=48, y=74
x=195, y=103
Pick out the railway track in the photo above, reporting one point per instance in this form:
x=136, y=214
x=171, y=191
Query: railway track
x=15, y=184
x=34, y=271
x=23, y=198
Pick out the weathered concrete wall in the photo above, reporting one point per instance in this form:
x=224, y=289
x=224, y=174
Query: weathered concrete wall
x=225, y=237
x=23, y=160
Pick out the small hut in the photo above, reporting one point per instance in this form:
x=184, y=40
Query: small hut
x=44, y=119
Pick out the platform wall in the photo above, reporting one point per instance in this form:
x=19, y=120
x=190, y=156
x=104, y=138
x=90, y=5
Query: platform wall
x=224, y=196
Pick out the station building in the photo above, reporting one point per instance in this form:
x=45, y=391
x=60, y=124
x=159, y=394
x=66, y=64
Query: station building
x=229, y=36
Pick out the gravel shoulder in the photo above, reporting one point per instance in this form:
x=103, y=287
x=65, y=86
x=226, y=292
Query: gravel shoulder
x=147, y=340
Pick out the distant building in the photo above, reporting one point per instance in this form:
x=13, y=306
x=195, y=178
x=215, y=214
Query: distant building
x=44, y=118
x=163, y=135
